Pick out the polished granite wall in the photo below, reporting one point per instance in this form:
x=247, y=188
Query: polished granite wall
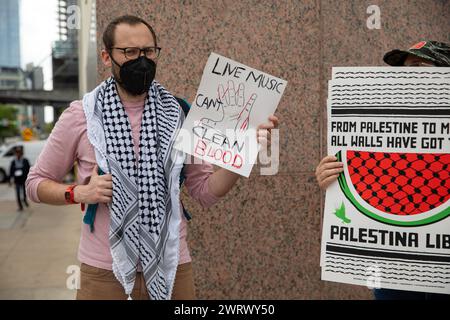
x=262, y=241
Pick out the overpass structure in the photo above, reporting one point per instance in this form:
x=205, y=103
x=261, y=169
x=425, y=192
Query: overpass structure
x=56, y=98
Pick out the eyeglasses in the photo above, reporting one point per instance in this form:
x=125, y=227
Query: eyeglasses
x=132, y=53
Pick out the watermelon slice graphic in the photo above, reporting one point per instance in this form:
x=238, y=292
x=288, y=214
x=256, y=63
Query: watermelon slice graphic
x=402, y=189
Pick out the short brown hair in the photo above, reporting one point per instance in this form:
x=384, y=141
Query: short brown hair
x=108, y=34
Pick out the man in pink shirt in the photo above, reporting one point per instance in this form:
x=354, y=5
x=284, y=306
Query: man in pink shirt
x=121, y=136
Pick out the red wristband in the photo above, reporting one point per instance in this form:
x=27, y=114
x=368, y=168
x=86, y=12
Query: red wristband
x=69, y=194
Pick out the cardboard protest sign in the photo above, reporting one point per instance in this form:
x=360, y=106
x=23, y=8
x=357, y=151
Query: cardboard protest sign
x=231, y=101
x=386, y=220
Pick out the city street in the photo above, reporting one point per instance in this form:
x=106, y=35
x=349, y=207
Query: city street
x=36, y=248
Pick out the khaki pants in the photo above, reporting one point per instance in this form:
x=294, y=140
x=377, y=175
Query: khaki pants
x=101, y=284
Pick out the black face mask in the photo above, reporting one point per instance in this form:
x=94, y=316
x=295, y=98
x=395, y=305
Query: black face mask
x=137, y=75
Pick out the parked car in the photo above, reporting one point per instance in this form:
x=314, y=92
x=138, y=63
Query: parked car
x=32, y=149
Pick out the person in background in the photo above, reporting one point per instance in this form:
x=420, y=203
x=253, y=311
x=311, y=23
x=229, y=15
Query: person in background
x=18, y=171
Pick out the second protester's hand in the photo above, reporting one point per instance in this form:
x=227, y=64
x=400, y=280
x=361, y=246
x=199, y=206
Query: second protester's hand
x=328, y=171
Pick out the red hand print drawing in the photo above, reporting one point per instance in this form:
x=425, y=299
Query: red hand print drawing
x=234, y=108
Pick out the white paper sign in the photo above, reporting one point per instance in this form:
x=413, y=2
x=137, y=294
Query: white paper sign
x=231, y=101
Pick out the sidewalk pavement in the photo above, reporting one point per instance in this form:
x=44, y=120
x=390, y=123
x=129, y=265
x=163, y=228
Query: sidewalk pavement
x=36, y=248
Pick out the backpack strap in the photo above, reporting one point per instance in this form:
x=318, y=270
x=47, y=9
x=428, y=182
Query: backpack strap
x=184, y=105
x=91, y=212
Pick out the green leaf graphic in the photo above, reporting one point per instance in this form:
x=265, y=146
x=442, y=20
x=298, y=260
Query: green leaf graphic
x=340, y=213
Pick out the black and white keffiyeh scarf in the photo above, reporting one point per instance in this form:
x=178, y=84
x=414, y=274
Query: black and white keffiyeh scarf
x=145, y=213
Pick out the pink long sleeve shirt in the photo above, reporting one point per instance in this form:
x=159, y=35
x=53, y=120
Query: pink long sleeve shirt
x=68, y=143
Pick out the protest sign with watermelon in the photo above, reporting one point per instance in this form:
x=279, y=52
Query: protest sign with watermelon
x=387, y=217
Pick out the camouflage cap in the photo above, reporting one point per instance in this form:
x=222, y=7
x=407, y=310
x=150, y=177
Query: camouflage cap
x=434, y=51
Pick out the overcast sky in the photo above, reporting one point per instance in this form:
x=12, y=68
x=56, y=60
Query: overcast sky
x=38, y=29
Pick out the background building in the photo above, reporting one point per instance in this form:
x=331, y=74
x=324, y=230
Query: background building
x=12, y=78
x=65, y=51
x=35, y=78
x=9, y=34
x=11, y=75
